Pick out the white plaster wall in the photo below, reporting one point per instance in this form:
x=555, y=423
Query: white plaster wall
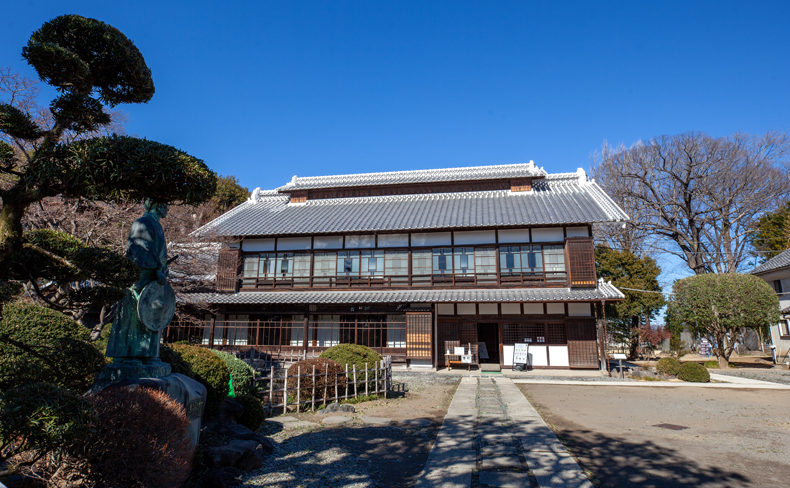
x=255, y=245
x=432, y=239
x=556, y=308
x=474, y=237
x=533, y=309
x=445, y=309
x=513, y=235
x=558, y=356
x=552, y=234
x=488, y=309
x=511, y=309
x=576, y=232
x=293, y=243
x=465, y=308
x=579, y=309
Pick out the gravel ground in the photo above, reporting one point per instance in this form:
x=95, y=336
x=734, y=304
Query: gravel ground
x=356, y=455
x=773, y=375
x=624, y=437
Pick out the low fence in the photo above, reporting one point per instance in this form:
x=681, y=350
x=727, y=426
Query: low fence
x=375, y=379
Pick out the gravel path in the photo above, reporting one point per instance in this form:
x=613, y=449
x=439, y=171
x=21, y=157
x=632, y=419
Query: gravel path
x=781, y=376
x=354, y=454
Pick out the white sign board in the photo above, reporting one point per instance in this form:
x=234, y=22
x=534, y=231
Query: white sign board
x=466, y=358
x=458, y=351
x=520, y=353
x=618, y=355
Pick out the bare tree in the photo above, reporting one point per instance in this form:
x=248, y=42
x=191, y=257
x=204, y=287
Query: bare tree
x=696, y=195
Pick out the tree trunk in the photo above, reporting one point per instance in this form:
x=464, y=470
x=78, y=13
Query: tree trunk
x=633, y=349
x=11, y=215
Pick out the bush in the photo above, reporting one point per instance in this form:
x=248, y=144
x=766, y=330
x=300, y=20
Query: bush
x=141, y=439
x=203, y=366
x=42, y=417
x=243, y=376
x=694, y=373
x=43, y=345
x=668, y=366
x=336, y=376
x=353, y=355
x=711, y=364
x=254, y=413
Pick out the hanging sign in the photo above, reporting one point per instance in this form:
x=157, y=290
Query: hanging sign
x=520, y=353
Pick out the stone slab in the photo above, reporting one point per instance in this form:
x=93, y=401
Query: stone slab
x=511, y=461
x=556, y=470
x=497, y=439
x=444, y=478
x=504, y=479
x=283, y=419
x=452, y=458
x=542, y=443
x=375, y=420
x=415, y=422
x=299, y=424
x=336, y=419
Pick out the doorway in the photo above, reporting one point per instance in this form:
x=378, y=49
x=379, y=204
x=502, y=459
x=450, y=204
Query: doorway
x=488, y=334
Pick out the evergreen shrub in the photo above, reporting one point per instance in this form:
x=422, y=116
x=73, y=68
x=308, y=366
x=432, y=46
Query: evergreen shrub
x=353, y=355
x=668, y=366
x=42, y=417
x=694, y=373
x=243, y=374
x=254, y=413
x=203, y=366
x=43, y=345
x=335, y=376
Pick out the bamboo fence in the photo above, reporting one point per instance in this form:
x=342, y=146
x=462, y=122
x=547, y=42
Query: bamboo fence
x=376, y=379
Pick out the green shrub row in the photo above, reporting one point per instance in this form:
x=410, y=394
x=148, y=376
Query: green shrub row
x=694, y=372
x=243, y=376
x=668, y=366
x=202, y=365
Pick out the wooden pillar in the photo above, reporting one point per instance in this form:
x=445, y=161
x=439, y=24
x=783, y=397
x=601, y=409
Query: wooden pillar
x=211, y=333
x=306, y=331
x=356, y=329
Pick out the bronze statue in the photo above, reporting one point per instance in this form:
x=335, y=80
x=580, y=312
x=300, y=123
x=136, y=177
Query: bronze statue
x=149, y=304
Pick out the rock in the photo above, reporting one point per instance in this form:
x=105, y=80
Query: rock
x=267, y=445
x=222, y=456
x=222, y=477
x=338, y=419
x=230, y=412
x=237, y=431
x=336, y=408
x=253, y=455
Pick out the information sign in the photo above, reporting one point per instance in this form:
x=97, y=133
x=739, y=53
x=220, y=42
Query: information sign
x=520, y=353
x=466, y=358
x=458, y=351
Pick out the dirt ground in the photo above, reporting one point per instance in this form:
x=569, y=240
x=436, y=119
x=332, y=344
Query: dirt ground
x=735, y=437
x=355, y=454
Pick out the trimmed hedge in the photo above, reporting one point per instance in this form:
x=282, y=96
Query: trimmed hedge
x=668, y=366
x=254, y=413
x=202, y=365
x=694, y=373
x=336, y=376
x=42, y=417
x=352, y=355
x=243, y=374
x=50, y=347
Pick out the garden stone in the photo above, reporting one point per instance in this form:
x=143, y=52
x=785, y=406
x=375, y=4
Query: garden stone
x=253, y=456
x=336, y=408
x=230, y=412
x=223, y=456
x=222, y=477
x=338, y=419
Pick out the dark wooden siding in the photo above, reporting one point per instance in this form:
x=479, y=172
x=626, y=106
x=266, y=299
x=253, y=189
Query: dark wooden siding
x=228, y=264
x=581, y=262
x=582, y=345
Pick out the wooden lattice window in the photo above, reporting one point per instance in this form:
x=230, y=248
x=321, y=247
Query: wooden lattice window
x=418, y=335
x=228, y=269
x=581, y=262
x=555, y=333
x=521, y=184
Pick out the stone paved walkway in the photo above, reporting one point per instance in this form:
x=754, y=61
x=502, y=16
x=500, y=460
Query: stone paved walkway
x=492, y=436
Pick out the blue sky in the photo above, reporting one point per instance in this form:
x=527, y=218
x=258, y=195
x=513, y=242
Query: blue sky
x=264, y=90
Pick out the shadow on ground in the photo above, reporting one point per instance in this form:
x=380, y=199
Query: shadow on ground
x=353, y=456
x=614, y=462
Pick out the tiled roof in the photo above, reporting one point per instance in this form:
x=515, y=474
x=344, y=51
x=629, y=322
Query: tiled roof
x=566, y=198
x=779, y=261
x=604, y=291
x=418, y=176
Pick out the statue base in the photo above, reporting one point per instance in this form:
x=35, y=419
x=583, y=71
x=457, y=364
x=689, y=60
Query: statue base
x=188, y=392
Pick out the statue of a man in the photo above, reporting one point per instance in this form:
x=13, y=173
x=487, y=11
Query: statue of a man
x=149, y=304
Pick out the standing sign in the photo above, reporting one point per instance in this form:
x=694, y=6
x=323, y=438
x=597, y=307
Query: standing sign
x=520, y=353
x=466, y=358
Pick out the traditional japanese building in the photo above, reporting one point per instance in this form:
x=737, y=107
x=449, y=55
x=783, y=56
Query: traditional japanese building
x=416, y=263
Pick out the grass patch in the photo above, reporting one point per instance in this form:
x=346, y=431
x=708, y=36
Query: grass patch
x=360, y=399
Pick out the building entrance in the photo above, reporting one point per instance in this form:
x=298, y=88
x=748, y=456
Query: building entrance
x=488, y=334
